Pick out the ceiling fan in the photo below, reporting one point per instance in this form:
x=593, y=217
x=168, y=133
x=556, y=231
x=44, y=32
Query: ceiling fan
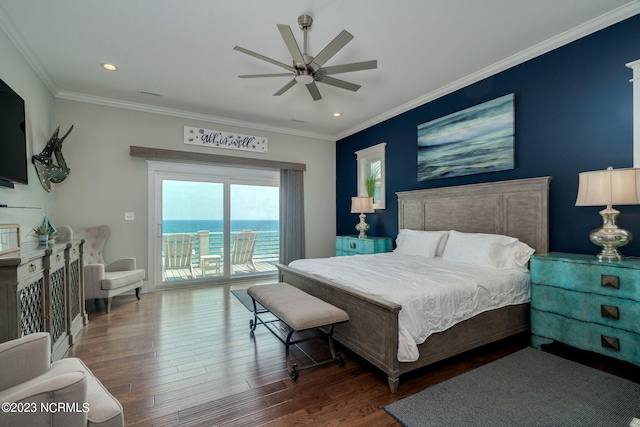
x=308, y=69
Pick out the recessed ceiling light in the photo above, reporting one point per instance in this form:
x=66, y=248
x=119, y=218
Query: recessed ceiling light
x=337, y=114
x=109, y=67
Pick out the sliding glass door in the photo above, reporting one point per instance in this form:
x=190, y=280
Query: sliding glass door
x=192, y=229
x=214, y=224
x=255, y=229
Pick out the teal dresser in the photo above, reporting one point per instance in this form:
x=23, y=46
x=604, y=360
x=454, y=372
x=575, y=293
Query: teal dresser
x=352, y=245
x=587, y=304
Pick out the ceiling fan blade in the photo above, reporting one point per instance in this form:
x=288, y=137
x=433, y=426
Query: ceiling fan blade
x=253, y=76
x=356, y=66
x=285, y=87
x=332, y=48
x=340, y=83
x=313, y=91
x=291, y=43
x=264, y=58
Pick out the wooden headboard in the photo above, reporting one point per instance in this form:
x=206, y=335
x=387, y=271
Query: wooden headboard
x=517, y=208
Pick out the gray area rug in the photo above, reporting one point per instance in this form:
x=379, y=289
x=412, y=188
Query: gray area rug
x=526, y=388
x=246, y=300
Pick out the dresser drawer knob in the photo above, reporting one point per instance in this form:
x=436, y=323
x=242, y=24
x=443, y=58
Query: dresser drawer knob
x=352, y=245
x=610, y=312
x=608, y=281
x=610, y=343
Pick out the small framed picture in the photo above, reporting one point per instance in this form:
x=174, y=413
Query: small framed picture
x=9, y=238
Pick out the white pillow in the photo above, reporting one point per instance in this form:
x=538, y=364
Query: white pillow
x=443, y=244
x=521, y=256
x=487, y=250
x=417, y=242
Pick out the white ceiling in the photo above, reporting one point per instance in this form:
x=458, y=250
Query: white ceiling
x=184, y=51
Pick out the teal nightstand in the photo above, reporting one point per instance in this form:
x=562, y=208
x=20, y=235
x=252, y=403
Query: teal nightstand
x=352, y=245
x=587, y=304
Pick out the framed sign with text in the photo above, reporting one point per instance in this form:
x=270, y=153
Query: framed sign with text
x=219, y=139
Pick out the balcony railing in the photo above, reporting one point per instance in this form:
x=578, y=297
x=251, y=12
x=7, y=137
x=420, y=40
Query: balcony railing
x=267, y=245
x=265, y=257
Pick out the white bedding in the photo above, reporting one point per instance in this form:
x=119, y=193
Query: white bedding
x=435, y=294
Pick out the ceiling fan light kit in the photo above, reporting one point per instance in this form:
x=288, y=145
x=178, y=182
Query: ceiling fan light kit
x=306, y=69
x=304, y=78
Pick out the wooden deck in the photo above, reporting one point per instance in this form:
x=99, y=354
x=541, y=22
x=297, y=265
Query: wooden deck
x=182, y=274
x=265, y=256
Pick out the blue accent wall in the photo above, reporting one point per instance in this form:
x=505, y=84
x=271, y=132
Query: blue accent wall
x=574, y=113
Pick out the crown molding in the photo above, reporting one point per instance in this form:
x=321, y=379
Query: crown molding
x=596, y=24
x=19, y=42
x=14, y=34
x=109, y=102
x=590, y=27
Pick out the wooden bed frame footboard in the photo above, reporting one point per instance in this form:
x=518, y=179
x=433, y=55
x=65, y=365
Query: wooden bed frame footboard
x=372, y=329
x=517, y=208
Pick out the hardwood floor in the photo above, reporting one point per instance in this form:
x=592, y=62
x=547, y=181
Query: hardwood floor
x=186, y=358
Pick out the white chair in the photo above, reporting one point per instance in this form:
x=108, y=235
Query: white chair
x=103, y=280
x=244, y=245
x=28, y=378
x=178, y=251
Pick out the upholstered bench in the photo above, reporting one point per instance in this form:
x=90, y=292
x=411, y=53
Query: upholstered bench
x=300, y=312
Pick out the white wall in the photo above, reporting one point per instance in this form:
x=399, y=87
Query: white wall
x=16, y=72
x=105, y=182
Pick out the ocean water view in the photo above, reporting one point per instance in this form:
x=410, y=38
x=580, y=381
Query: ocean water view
x=194, y=225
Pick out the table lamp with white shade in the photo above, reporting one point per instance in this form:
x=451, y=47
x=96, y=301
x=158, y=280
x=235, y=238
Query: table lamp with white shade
x=362, y=205
x=607, y=188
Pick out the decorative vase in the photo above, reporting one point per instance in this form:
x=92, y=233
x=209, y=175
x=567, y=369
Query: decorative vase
x=43, y=239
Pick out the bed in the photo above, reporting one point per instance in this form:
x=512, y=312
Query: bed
x=516, y=208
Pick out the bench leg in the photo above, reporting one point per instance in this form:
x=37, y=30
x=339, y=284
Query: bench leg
x=330, y=339
x=254, y=322
x=292, y=368
x=336, y=357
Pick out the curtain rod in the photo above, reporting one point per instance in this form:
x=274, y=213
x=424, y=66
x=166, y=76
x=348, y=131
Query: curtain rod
x=217, y=159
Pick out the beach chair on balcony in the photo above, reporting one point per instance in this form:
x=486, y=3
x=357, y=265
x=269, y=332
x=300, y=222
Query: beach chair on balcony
x=244, y=245
x=178, y=252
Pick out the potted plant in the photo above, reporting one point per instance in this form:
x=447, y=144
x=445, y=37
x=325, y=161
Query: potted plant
x=42, y=233
x=370, y=182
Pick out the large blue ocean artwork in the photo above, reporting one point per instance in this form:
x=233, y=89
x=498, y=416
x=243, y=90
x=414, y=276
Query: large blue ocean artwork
x=476, y=140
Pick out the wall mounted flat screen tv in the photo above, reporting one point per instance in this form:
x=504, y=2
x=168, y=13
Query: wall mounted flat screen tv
x=13, y=142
